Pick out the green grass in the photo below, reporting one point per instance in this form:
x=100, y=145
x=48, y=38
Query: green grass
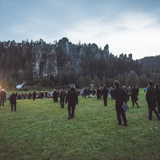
x=39, y=130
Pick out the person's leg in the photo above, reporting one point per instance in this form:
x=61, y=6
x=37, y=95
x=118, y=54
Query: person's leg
x=69, y=111
x=137, y=104
x=118, y=115
x=150, y=111
x=11, y=107
x=158, y=107
x=124, y=117
x=2, y=101
x=14, y=107
x=133, y=104
x=73, y=110
x=105, y=101
x=62, y=102
x=156, y=113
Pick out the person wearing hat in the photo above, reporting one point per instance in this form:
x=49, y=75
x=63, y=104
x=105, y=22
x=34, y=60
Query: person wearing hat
x=72, y=99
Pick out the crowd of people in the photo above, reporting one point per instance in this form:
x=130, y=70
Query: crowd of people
x=120, y=94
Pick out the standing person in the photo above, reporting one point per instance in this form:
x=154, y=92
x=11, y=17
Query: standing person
x=55, y=95
x=62, y=96
x=137, y=90
x=42, y=95
x=85, y=92
x=46, y=94
x=105, y=95
x=128, y=92
x=72, y=99
x=134, y=96
x=29, y=96
x=13, y=101
x=99, y=93
x=120, y=96
x=151, y=100
x=3, y=97
x=158, y=97
x=34, y=95
x=111, y=92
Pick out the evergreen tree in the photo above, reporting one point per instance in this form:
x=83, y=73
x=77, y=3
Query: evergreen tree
x=97, y=81
x=132, y=79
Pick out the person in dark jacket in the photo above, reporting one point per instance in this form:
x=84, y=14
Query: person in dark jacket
x=13, y=101
x=42, y=95
x=72, y=99
x=158, y=97
x=105, y=95
x=134, y=96
x=62, y=96
x=34, y=95
x=99, y=93
x=151, y=100
x=85, y=92
x=55, y=95
x=120, y=96
x=2, y=97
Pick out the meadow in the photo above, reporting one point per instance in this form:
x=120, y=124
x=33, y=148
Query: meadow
x=40, y=130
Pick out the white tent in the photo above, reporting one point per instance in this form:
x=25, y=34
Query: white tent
x=19, y=85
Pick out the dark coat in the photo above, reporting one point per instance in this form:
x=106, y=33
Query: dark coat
x=72, y=97
x=120, y=95
x=151, y=95
x=105, y=92
x=2, y=94
x=85, y=91
x=34, y=95
x=55, y=96
x=134, y=94
x=62, y=94
x=158, y=95
x=13, y=99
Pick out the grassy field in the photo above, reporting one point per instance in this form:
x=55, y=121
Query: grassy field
x=39, y=130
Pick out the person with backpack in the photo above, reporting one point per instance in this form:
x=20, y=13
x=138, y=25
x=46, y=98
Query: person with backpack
x=62, y=96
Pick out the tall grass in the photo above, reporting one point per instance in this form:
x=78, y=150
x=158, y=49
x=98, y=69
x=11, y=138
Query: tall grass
x=39, y=130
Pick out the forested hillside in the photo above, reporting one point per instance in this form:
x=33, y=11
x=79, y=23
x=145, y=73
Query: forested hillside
x=150, y=64
x=62, y=62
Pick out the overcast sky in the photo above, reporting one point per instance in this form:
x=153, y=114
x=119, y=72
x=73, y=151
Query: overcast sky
x=127, y=26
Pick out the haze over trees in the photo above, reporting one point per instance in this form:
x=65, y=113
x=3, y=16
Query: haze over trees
x=62, y=62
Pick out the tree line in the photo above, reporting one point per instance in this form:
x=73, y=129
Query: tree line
x=61, y=63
